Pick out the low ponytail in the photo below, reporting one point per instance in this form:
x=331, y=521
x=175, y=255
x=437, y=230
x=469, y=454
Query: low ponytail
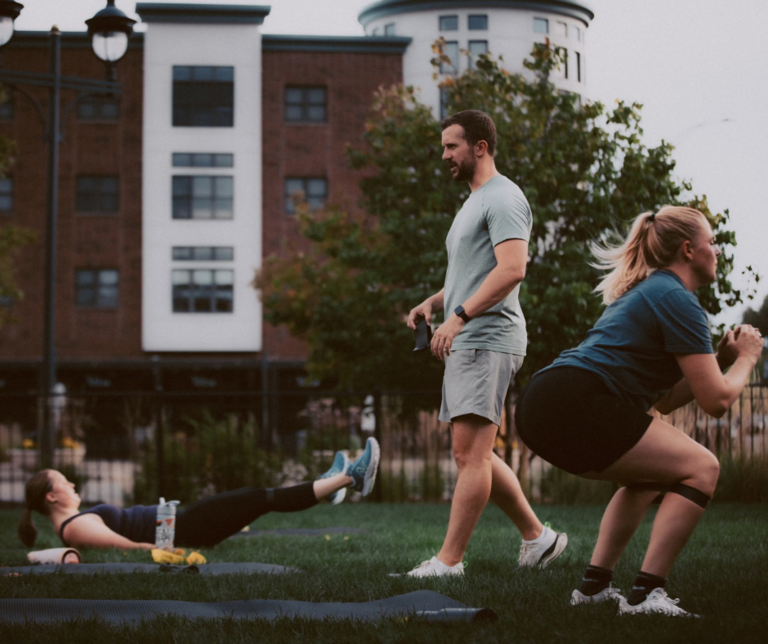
x=27, y=531
x=36, y=489
x=652, y=243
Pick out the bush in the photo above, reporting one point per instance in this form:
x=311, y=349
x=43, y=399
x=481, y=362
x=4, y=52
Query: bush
x=213, y=456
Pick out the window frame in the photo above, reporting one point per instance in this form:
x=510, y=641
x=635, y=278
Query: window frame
x=455, y=67
x=95, y=286
x=82, y=208
x=215, y=156
x=389, y=29
x=214, y=252
x=210, y=293
x=98, y=99
x=190, y=197
x=288, y=208
x=539, y=21
x=222, y=113
x=484, y=16
x=441, y=21
x=10, y=194
x=305, y=105
x=470, y=57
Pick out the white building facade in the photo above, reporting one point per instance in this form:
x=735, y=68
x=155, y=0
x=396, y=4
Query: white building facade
x=506, y=28
x=202, y=169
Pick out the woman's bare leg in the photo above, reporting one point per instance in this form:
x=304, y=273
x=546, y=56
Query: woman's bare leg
x=325, y=487
x=663, y=455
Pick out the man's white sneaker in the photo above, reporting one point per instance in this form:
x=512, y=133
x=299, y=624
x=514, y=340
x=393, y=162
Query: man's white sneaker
x=544, y=550
x=657, y=601
x=607, y=595
x=435, y=568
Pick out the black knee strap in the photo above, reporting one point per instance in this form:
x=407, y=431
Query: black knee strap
x=686, y=491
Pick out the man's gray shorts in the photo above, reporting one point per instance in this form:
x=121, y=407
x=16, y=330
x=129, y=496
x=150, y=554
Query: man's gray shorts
x=476, y=382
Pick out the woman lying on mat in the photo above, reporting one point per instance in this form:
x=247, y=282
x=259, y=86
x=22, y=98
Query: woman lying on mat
x=588, y=412
x=203, y=524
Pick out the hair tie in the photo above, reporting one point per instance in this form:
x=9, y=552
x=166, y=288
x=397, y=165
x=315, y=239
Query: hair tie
x=652, y=218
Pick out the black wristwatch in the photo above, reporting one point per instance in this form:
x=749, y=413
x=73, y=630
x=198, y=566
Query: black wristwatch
x=459, y=310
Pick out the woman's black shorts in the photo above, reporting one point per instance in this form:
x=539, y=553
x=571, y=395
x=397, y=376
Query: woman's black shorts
x=571, y=418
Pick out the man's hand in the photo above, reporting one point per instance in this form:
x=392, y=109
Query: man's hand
x=726, y=351
x=422, y=312
x=444, y=336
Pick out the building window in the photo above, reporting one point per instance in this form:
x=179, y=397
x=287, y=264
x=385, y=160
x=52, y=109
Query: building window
x=376, y=32
x=97, y=194
x=578, y=67
x=476, y=49
x=561, y=29
x=98, y=108
x=7, y=108
x=202, y=160
x=203, y=291
x=203, y=96
x=576, y=33
x=541, y=25
x=203, y=253
x=389, y=30
x=306, y=104
x=477, y=23
x=313, y=189
x=449, y=23
x=451, y=50
x=6, y=194
x=564, y=55
x=443, y=103
x=96, y=288
x=203, y=197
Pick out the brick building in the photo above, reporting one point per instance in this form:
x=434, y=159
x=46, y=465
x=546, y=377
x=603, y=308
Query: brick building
x=171, y=193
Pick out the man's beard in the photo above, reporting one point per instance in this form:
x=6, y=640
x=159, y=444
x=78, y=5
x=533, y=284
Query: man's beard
x=466, y=169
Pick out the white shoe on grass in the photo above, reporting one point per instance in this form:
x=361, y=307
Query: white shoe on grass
x=607, y=595
x=544, y=550
x=657, y=601
x=434, y=568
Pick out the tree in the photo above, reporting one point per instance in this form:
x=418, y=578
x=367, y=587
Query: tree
x=583, y=168
x=12, y=239
x=759, y=318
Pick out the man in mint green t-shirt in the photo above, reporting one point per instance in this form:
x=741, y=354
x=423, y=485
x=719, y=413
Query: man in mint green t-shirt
x=482, y=342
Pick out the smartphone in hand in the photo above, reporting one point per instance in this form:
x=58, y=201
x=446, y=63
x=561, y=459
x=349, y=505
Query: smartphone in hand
x=423, y=335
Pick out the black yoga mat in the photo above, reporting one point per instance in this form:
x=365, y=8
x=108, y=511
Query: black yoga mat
x=422, y=604
x=242, y=568
x=303, y=532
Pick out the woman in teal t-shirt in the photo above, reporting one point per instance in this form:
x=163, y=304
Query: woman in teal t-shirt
x=588, y=413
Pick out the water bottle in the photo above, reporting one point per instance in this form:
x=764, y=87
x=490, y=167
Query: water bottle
x=165, y=530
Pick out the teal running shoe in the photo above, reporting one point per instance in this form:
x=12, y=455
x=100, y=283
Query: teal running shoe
x=363, y=469
x=340, y=465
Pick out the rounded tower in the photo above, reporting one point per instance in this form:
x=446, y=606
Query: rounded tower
x=507, y=28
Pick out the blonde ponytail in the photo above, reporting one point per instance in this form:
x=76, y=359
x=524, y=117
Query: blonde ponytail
x=652, y=243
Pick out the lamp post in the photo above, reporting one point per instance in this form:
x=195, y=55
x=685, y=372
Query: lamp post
x=109, y=31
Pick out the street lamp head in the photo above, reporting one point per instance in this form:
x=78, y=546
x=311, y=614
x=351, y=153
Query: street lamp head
x=109, y=30
x=9, y=11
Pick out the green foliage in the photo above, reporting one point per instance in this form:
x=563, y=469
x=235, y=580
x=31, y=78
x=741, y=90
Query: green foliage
x=214, y=456
x=583, y=168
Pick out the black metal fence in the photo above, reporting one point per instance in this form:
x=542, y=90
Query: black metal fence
x=132, y=447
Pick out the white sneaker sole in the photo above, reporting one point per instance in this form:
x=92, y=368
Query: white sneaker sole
x=561, y=541
x=373, y=466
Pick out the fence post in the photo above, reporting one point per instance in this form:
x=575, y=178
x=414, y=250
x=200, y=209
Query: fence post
x=377, y=490
x=157, y=403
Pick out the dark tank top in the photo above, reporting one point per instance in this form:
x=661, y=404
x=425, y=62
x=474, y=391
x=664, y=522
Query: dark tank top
x=136, y=523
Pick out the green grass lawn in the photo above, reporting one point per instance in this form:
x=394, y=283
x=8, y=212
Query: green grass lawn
x=721, y=575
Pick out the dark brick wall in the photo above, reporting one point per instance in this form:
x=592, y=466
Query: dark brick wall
x=114, y=148
x=84, y=240
x=314, y=149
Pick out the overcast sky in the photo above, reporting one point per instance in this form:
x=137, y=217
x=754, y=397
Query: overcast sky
x=699, y=67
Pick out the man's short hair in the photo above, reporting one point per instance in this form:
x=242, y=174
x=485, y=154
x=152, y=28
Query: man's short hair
x=478, y=126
